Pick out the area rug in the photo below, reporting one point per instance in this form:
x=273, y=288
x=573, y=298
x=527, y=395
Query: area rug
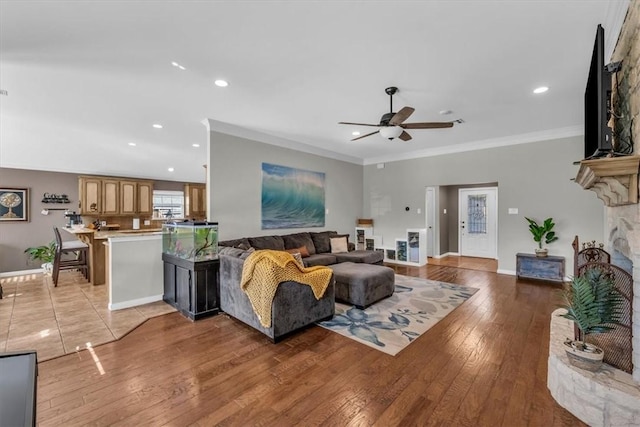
x=393, y=323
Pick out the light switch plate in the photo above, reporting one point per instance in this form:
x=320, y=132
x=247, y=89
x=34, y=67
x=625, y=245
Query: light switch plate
x=513, y=211
x=444, y=211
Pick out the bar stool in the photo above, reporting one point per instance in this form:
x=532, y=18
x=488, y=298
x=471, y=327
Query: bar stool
x=79, y=249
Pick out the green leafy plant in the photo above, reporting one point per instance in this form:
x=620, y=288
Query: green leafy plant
x=542, y=231
x=592, y=302
x=45, y=253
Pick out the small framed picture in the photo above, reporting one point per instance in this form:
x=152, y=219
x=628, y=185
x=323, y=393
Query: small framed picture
x=14, y=204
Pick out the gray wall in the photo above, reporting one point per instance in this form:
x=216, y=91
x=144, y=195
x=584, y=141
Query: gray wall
x=16, y=236
x=534, y=177
x=235, y=186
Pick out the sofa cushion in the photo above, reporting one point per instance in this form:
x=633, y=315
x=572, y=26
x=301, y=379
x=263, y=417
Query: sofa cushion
x=235, y=252
x=267, y=242
x=339, y=245
x=302, y=251
x=235, y=242
x=367, y=257
x=319, y=259
x=321, y=241
x=296, y=240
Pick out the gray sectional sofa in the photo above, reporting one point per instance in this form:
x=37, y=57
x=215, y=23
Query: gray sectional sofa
x=294, y=305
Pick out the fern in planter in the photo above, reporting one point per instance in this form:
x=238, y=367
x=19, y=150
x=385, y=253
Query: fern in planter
x=593, y=303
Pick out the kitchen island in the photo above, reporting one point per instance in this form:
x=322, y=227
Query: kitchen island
x=128, y=261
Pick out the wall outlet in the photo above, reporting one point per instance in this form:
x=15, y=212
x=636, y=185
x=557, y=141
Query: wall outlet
x=418, y=210
x=444, y=211
x=147, y=222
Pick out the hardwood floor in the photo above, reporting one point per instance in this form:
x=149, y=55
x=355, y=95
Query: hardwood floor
x=485, y=364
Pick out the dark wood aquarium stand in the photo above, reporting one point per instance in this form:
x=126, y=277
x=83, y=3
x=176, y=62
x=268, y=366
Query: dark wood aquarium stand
x=193, y=288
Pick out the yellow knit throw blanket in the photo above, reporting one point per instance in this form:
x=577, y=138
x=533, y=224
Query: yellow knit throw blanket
x=262, y=272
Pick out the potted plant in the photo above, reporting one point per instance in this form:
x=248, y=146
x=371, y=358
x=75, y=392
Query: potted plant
x=594, y=304
x=542, y=232
x=45, y=254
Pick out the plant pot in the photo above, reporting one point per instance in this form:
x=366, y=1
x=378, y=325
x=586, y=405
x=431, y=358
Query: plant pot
x=589, y=359
x=47, y=268
x=541, y=252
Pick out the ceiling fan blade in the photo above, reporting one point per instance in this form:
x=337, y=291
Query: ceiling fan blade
x=404, y=136
x=401, y=116
x=357, y=124
x=364, y=136
x=427, y=125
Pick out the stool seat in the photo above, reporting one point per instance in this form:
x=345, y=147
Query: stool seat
x=78, y=249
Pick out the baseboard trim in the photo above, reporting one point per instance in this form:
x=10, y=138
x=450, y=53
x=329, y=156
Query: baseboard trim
x=446, y=254
x=134, y=302
x=20, y=273
x=509, y=272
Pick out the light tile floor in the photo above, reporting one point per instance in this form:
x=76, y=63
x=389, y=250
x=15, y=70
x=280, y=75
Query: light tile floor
x=35, y=315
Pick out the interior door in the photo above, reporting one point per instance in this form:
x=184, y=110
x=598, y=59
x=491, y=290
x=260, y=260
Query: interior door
x=478, y=222
x=430, y=210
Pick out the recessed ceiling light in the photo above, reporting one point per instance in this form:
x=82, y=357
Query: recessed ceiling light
x=133, y=144
x=445, y=112
x=541, y=89
x=157, y=126
x=195, y=145
x=221, y=83
x=170, y=169
x=355, y=133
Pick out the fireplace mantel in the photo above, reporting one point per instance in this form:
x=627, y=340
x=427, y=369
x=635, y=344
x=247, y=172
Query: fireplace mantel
x=613, y=179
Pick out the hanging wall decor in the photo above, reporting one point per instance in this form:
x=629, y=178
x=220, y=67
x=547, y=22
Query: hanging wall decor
x=14, y=204
x=291, y=198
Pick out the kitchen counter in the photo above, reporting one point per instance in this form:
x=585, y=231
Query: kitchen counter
x=97, y=262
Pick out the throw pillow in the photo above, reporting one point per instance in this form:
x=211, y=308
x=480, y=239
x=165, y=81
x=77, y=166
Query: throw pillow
x=339, y=245
x=302, y=250
x=298, y=258
x=246, y=253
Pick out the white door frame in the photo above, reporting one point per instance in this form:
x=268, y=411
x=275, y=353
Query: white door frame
x=462, y=215
x=431, y=221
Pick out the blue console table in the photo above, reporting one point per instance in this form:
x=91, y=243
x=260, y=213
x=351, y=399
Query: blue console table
x=529, y=266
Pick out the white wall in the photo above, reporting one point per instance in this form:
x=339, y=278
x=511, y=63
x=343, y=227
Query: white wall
x=235, y=186
x=534, y=177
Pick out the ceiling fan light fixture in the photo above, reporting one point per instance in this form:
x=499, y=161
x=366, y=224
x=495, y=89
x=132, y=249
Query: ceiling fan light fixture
x=390, y=132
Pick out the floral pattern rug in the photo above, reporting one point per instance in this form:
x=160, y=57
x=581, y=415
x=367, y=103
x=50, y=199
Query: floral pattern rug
x=393, y=323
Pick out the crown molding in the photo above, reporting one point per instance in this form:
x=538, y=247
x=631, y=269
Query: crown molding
x=229, y=129
x=526, y=138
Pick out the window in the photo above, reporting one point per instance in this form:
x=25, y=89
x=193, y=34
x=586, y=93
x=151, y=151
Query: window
x=168, y=204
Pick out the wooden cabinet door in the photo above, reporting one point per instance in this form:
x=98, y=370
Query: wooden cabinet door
x=90, y=195
x=145, y=198
x=195, y=201
x=110, y=196
x=128, y=197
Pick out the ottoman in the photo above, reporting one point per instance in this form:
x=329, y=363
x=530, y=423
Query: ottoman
x=362, y=284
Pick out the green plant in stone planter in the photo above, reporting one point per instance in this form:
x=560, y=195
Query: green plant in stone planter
x=542, y=232
x=45, y=254
x=594, y=305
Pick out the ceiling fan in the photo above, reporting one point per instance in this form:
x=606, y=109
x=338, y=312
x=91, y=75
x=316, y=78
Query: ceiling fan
x=392, y=124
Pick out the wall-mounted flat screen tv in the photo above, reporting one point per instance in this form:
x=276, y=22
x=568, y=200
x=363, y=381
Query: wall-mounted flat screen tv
x=597, y=103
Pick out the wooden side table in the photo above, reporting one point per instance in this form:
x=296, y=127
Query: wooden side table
x=529, y=266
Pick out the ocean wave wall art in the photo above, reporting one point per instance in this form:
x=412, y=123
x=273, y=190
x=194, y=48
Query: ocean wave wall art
x=291, y=198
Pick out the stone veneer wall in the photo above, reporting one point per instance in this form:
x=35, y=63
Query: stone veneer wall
x=623, y=223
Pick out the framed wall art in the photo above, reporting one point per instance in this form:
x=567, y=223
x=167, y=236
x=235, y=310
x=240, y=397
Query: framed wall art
x=291, y=198
x=14, y=204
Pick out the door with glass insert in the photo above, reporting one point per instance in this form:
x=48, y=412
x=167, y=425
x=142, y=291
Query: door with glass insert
x=478, y=222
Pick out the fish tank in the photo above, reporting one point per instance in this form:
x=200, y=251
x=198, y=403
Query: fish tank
x=190, y=240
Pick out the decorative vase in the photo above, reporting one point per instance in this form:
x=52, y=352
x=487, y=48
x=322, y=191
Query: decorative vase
x=47, y=268
x=541, y=252
x=589, y=358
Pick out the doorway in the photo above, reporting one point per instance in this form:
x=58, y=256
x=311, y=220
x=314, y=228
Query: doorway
x=478, y=222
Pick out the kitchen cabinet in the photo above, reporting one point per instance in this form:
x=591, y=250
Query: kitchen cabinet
x=195, y=201
x=114, y=196
x=136, y=198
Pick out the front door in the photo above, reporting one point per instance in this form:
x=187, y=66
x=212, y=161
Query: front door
x=478, y=222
